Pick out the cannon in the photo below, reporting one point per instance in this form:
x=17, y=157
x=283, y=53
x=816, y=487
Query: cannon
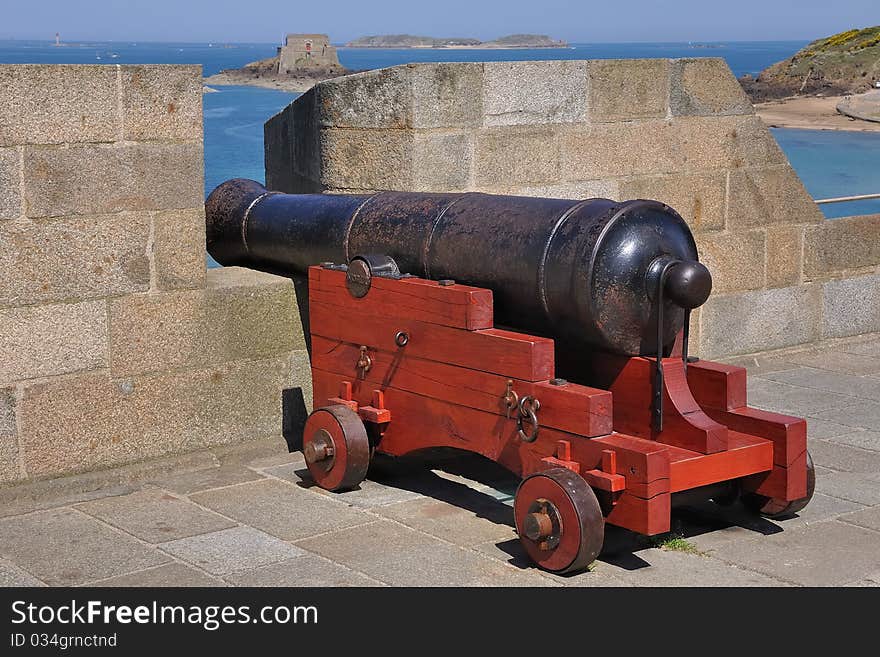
x=548, y=335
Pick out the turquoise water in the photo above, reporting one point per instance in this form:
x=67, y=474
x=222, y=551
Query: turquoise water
x=234, y=118
x=835, y=163
x=830, y=163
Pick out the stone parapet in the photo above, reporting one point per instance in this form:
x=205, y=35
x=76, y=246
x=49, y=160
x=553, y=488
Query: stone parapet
x=833, y=249
x=97, y=420
x=116, y=345
x=240, y=315
x=680, y=131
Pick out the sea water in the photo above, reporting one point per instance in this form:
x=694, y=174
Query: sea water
x=834, y=163
x=830, y=163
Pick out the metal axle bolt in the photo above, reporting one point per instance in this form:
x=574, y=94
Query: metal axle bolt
x=537, y=526
x=317, y=451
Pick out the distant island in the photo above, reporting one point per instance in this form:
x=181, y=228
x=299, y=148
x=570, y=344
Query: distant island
x=306, y=59
x=303, y=61
x=411, y=41
x=831, y=84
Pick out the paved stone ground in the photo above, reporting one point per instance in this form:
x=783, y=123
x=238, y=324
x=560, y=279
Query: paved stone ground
x=248, y=515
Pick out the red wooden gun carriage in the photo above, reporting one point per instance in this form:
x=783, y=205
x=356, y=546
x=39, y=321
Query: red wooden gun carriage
x=599, y=293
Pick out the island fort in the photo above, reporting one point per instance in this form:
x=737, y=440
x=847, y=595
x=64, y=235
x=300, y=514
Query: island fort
x=306, y=51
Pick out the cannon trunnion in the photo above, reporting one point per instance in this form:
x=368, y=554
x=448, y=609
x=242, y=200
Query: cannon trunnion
x=444, y=320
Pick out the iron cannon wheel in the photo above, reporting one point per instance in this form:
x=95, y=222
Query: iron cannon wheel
x=336, y=447
x=774, y=508
x=559, y=520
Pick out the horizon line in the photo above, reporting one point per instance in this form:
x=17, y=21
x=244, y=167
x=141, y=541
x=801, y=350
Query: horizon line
x=51, y=40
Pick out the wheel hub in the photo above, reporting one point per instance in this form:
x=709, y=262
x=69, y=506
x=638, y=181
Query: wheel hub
x=542, y=524
x=320, y=450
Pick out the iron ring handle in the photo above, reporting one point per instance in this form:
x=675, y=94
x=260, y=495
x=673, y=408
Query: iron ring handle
x=528, y=404
x=401, y=338
x=532, y=436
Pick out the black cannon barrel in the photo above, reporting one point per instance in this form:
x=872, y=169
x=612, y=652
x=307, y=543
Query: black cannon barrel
x=585, y=270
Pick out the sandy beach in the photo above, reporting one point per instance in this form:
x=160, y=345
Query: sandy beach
x=811, y=113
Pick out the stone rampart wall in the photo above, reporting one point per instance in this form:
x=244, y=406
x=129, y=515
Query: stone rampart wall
x=115, y=343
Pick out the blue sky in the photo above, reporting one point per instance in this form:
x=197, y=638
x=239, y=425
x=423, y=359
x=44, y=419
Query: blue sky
x=586, y=20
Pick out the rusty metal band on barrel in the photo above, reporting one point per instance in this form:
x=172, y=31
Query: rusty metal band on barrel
x=427, y=248
x=546, y=252
x=247, y=214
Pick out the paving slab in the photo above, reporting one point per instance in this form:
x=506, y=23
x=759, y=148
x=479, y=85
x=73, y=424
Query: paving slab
x=825, y=554
x=397, y=555
x=272, y=460
x=829, y=381
x=477, y=469
x=155, y=516
x=12, y=575
x=170, y=575
x=232, y=549
x=481, y=519
x=18, y=500
x=834, y=455
x=54, y=493
x=795, y=400
x=449, y=485
x=872, y=580
x=822, y=507
x=64, y=547
x=870, y=348
x=861, y=415
x=367, y=495
x=252, y=451
x=760, y=365
x=707, y=541
x=452, y=478
x=838, y=360
x=852, y=486
x=868, y=518
x=869, y=440
x=186, y=483
x=675, y=568
x=709, y=526
x=511, y=552
x=282, y=509
x=304, y=570
x=823, y=429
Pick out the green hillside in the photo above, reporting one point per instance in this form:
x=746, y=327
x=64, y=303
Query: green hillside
x=844, y=63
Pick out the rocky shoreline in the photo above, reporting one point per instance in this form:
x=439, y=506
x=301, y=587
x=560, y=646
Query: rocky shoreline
x=237, y=79
x=864, y=106
x=264, y=73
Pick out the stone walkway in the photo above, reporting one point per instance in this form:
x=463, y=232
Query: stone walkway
x=248, y=516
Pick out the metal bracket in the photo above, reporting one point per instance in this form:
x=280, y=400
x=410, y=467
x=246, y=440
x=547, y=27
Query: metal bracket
x=657, y=400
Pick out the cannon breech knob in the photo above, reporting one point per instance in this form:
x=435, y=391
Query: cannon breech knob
x=688, y=284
